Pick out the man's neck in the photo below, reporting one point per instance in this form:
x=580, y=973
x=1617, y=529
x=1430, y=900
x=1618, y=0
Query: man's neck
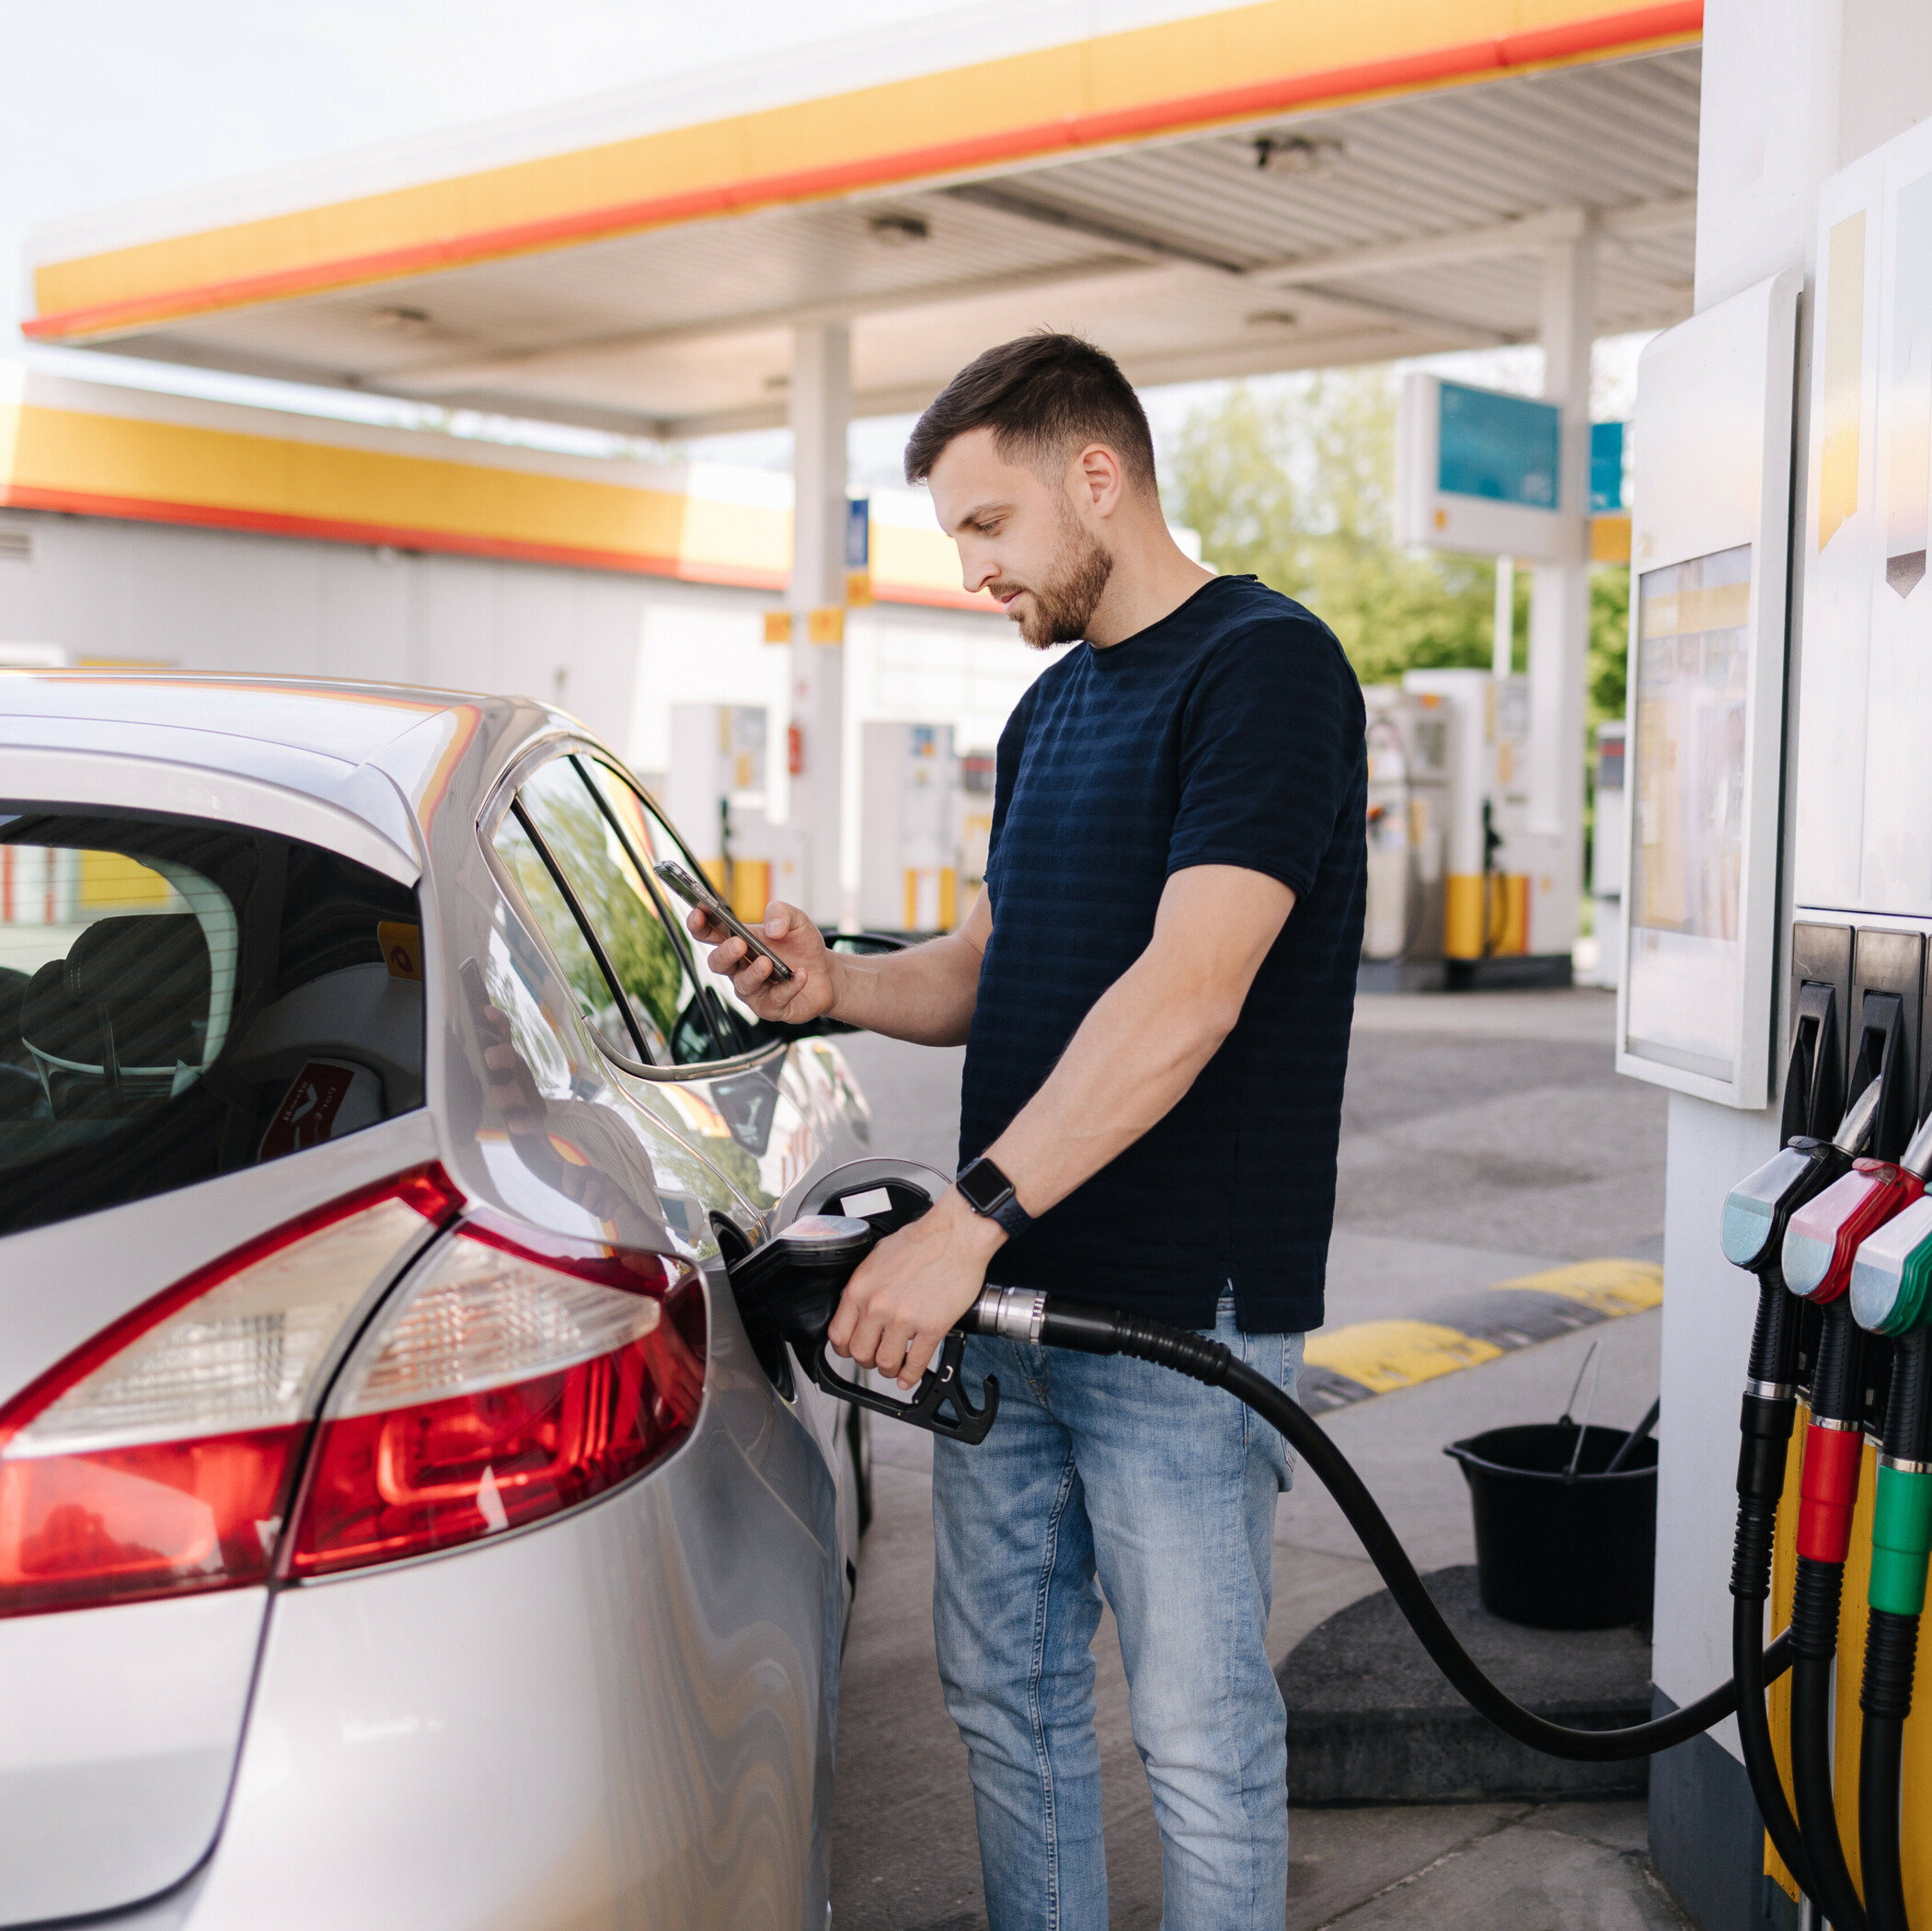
x=1153, y=576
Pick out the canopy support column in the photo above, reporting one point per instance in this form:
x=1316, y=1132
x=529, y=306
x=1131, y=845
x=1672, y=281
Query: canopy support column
x=821, y=407
x=1559, y=608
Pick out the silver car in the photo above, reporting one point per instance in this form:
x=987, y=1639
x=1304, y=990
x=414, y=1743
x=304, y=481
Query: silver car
x=397, y=1525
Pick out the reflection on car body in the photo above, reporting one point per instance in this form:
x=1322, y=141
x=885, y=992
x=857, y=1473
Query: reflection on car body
x=367, y=1132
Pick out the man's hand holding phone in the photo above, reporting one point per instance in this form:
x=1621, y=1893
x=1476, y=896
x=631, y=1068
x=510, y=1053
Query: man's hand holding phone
x=809, y=993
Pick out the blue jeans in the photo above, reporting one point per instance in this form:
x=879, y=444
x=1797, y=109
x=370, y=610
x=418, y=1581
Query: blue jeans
x=1107, y=1473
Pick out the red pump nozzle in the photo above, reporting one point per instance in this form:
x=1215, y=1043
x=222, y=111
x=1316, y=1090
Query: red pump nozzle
x=1823, y=1239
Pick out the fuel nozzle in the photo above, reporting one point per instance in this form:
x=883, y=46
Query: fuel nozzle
x=1756, y=1223
x=1758, y=1209
x=791, y=1287
x=1821, y=1247
x=793, y=1282
x=1891, y=1273
x=1824, y=1235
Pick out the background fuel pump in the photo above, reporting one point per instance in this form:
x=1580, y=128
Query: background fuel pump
x=1462, y=891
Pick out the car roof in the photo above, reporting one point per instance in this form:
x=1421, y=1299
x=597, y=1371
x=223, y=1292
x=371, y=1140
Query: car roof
x=347, y=722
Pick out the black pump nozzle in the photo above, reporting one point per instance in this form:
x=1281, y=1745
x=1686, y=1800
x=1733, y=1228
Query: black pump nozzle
x=791, y=1286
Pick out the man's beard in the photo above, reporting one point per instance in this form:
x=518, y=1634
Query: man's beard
x=1063, y=607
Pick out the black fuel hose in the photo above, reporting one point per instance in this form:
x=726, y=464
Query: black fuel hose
x=1837, y=1402
x=1891, y=1643
x=1017, y=1315
x=1764, y=1426
x=1814, y=1650
x=1747, y=1661
x=1892, y=1632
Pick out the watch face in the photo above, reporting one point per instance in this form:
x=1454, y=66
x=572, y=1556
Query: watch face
x=984, y=1186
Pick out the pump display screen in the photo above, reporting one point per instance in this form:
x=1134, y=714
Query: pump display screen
x=1691, y=668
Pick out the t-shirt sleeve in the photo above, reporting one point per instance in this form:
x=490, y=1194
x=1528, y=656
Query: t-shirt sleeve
x=1270, y=739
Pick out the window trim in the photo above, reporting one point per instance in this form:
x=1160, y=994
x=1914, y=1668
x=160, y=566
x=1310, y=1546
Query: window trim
x=673, y=926
x=692, y=861
x=499, y=802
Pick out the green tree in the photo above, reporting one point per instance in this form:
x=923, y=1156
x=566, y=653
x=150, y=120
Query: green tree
x=1609, y=642
x=1296, y=483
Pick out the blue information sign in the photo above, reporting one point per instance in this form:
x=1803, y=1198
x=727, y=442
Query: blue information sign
x=859, y=533
x=1505, y=448
x=1607, y=469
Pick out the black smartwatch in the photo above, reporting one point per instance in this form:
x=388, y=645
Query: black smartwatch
x=990, y=1193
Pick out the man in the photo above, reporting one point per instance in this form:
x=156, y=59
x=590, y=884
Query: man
x=1154, y=1053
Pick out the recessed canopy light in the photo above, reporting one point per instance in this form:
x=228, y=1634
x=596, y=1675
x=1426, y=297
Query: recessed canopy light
x=401, y=321
x=899, y=230
x=1273, y=318
x=1296, y=153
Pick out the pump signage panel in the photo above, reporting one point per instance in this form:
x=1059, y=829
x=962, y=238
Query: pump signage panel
x=1480, y=471
x=1705, y=728
x=1607, y=443
x=1690, y=664
x=1864, y=786
x=858, y=550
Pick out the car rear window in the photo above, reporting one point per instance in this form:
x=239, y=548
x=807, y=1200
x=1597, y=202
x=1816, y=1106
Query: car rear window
x=179, y=998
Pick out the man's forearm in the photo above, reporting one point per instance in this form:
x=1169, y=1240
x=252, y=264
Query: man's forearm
x=924, y=993
x=1136, y=1055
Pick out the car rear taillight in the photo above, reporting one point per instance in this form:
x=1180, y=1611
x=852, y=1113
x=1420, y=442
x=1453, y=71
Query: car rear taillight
x=504, y=1385
x=158, y=1457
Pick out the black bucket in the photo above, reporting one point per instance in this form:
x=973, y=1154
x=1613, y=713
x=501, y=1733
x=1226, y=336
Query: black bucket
x=1557, y=1553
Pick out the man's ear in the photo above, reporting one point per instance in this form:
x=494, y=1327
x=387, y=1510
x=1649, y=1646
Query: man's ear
x=1095, y=479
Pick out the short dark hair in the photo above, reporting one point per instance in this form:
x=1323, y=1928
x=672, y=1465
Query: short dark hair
x=1044, y=396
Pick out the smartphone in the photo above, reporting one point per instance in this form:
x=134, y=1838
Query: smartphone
x=693, y=891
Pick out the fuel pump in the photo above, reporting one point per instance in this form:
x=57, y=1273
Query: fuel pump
x=1753, y=1231
x=790, y=1287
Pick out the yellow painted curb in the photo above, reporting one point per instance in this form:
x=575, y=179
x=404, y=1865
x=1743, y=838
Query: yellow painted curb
x=1611, y=1287
x=1387, y=1355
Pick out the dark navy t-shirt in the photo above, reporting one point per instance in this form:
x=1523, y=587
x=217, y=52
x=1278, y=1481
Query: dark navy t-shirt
x=1228, y=734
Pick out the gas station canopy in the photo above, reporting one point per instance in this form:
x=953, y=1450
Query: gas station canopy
x=1241, y=191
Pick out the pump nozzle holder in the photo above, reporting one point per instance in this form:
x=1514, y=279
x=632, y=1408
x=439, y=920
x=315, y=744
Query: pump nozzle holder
x=1824, y=1235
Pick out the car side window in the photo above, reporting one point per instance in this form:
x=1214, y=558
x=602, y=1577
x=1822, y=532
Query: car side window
x=651, y=834
x=596, y=998
x=648, y=964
